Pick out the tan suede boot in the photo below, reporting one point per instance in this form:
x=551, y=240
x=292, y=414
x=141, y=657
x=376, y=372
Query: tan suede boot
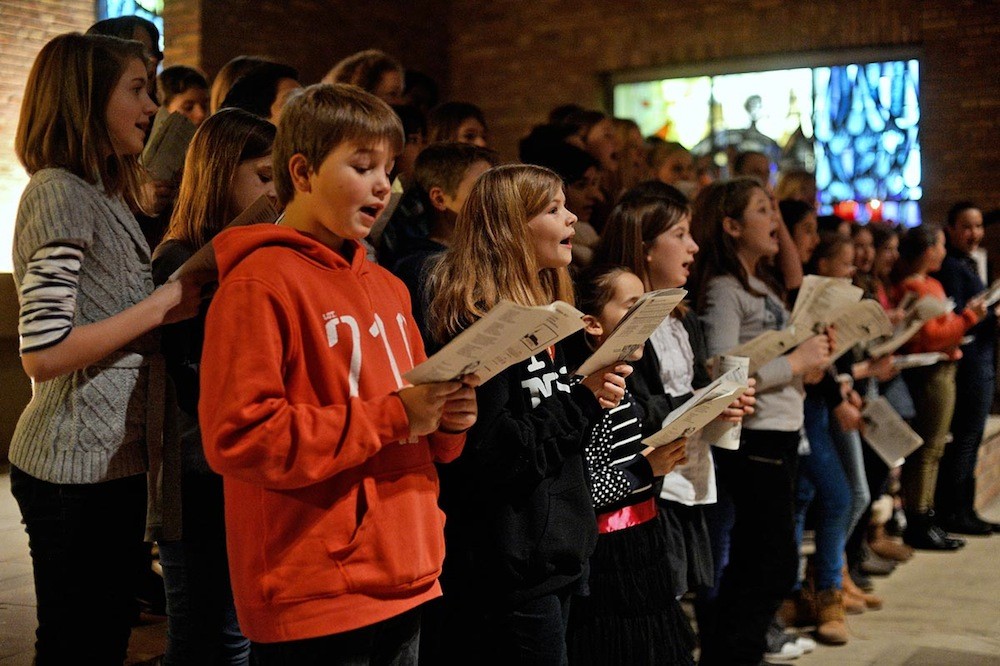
x=831, y=624
x=884, y=547
x=871, y=601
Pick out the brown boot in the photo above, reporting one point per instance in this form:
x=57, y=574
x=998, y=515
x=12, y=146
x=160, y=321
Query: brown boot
x=871, y=601
x=884, y=547
x=831, y=625
x=852, y=605
x=798, y=610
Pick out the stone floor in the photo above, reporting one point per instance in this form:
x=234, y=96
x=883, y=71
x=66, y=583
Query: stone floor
x=941, y=609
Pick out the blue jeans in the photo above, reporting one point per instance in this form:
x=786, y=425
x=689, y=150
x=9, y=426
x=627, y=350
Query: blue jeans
x=84, y=542
x=849, y=447
x=392, y=642
x=822, y=478
x=201, y=617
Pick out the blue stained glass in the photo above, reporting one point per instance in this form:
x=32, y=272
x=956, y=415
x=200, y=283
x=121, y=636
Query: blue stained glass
x=866, y=140
x=147, y=9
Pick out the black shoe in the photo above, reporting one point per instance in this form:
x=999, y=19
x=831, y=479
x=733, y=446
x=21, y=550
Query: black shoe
x=968, y=523
x=924, y=534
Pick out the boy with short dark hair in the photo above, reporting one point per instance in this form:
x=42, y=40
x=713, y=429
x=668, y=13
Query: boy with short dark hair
x=444, y=174
x=184, y=90
x=335, y=538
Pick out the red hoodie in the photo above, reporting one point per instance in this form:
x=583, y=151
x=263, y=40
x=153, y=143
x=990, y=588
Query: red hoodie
x=331, y=511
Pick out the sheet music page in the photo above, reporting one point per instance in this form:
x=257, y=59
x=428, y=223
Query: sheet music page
x=261, y=211
x=769, y=345
x=634, y=329
x=820, y=297
x=991, y=295
x=918, y=313
x=887, y=433
x=693, y=483
x=167, y=146
x=508, y=334
x=859, y=323
x=921, y=360
x=705, y=405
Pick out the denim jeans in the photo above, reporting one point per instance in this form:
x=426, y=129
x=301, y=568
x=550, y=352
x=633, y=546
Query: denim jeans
x=974, y=386
x=201, y=618
x=392, y=642
x=822, y=479
x=84, y=541
x=763, y=560
x=852, y=457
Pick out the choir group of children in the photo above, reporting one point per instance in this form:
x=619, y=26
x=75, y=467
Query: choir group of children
x=312, y=506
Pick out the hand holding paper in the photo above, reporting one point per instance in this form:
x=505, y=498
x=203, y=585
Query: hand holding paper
x=704, y=406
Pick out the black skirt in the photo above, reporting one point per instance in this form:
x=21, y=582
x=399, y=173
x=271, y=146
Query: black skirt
x=631, y=615
x=689, y=547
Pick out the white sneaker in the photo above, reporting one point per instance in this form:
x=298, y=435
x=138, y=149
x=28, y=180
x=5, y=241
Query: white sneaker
x=788, y=652
x=805, y=643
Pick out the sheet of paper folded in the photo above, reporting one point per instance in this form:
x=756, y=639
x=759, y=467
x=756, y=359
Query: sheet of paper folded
x=859, y=323
x=167, y=146
x=508, y=334
x=887, y=433
x=918, y=313
x=991, y=295
x=634, y=329
x=261, y=211
x=770, y=345
x=704, y=406
x=821, y=297
x=923, y=360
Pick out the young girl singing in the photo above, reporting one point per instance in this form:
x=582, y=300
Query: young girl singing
x=630, y=615
x=520, y=521
x=737, y=230
x=228, y=167
x=87, y=312
x=921, y=252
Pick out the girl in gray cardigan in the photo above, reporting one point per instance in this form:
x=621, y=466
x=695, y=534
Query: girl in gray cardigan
x=735, y=225
x=87, y=315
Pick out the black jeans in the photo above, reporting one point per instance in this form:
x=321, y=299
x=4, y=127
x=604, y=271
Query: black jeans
x=763, y=559
x=83, y=541
x=392, y=642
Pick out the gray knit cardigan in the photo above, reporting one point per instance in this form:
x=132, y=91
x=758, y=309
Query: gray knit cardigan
x=90, y=425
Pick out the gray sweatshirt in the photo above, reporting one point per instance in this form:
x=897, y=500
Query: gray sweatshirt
x=733, y=316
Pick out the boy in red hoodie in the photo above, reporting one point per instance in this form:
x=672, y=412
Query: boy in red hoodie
x=334, y=533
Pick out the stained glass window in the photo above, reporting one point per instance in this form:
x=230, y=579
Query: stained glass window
x=855, y=126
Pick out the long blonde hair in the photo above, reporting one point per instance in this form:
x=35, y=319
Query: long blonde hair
x=204, y=203
x=64, y=120
x=492, y=256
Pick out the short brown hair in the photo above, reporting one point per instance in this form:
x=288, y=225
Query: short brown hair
x=319, y=118
x=363, y=69
x=63, y=120
x=444, y=165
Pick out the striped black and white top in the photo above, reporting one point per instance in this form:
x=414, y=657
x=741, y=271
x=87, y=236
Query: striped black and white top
x=48, y=295
x=619, y=474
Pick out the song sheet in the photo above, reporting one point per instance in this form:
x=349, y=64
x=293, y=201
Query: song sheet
x=705, y=405
x=693, y=483
x=918, y=313
x=887, y=433
x=819, y=298
x=167, y=146
x=508, y=334
x=726, y=434
x=991, y=296
x=634, y=329
x=261, y=211
x=859, y=323
x=922, y=360
x=769, y=345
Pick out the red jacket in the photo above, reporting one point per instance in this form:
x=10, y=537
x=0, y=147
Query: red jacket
x=941, y=334
x=331, y=513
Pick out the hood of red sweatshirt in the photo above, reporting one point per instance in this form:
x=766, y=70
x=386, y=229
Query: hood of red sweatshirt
x=233, y=245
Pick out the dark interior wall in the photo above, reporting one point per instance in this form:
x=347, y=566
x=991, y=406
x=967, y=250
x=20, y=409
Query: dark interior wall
x=309, y=35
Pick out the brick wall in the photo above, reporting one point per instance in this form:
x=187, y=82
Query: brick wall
x=519, y=59
x=310, y=36
x=25, y=26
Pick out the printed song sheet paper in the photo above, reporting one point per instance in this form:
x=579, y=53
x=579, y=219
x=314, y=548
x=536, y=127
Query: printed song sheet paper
x=705, y=405
x=819, y=298
x=634, y=329
x=887, y=433
x=167, y=146
x=508, y=334
x=917, y=314
x=859, y=323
